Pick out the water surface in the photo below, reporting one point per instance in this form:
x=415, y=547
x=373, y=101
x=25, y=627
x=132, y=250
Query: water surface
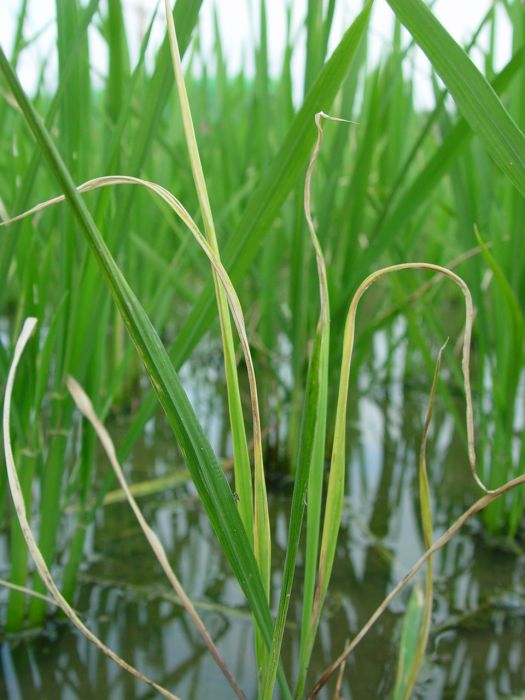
x=478, y=632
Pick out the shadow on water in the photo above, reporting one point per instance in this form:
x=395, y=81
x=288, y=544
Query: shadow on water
x=476, y=649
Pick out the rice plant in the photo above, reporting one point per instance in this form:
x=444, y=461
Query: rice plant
x=366, y=228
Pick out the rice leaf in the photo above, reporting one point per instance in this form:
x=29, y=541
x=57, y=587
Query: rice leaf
x=22, y=515
x=243, y=478
x=265, y=202
x=277, y=182
x=416, y=193
x=416, y=626
x=408, y=643
x=208, y=476
x=310, y=457
x=475, y=98
x=85, y=406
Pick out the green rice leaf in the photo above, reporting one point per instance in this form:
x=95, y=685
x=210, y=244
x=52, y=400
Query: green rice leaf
x=409, y=642
x=503, y=282
x=278, y=181
x=313, y=400
x=207, y=474
x=264, y=204
x=475, y=98
x=415, y=195
x=242, y=469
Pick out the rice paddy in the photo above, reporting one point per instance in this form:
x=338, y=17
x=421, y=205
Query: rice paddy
x=306, y=259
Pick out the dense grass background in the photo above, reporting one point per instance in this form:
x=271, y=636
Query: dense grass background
x=399, y=184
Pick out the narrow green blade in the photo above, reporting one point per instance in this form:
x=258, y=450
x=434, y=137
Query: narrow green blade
x=265, y=203
x=281, y=176
x=416, y=194
x=207, y=474
x=472, y=93
x=409, y=643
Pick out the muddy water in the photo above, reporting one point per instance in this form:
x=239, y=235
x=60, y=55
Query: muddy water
x=477, y=642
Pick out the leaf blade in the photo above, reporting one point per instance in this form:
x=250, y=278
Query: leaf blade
x=474, y=96
x=206, y=471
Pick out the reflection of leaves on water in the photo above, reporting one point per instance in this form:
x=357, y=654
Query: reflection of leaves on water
x=483, y=617
x=333, y=604
x=468, y=621
x=510, y=602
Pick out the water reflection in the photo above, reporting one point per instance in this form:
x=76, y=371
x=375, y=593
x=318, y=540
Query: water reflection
x=476, y=647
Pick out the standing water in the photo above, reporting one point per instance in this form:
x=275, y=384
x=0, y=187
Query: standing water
x=476, y=647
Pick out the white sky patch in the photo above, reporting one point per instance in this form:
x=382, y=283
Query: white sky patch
x=238, y=22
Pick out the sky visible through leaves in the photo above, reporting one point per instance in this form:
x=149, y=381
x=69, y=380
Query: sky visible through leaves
x=238, y=20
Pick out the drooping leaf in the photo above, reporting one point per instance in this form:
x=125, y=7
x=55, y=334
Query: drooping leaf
x=207, y=474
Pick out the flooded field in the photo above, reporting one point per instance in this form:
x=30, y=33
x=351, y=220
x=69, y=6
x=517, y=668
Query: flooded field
x=476, y=648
